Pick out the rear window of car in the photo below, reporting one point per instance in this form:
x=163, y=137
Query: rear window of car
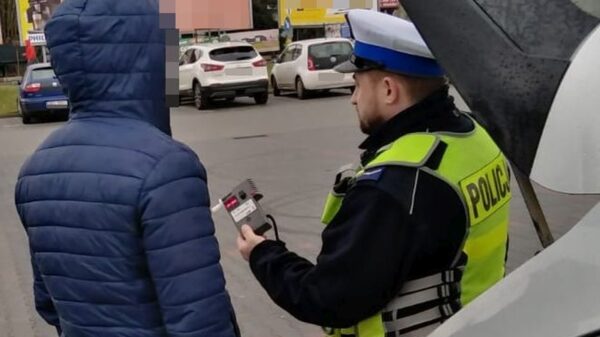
x=328, y=55
x=42, y=74
x=229, y=54
x=330, y=49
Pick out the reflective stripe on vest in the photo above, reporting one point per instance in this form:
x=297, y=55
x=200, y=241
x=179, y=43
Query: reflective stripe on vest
x=478, y=172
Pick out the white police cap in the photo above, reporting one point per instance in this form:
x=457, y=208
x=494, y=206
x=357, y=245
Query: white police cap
x=389, y=43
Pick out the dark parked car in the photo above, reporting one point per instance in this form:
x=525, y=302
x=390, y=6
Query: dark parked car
x=40, y=94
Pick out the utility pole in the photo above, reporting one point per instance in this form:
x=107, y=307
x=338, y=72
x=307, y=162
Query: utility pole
x=17, y=49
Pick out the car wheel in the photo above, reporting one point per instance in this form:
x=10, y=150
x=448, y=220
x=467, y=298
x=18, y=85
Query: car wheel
x=276, y=91
x=261, y=98
x=25, y=119
x=200, y=100
x=300, y=89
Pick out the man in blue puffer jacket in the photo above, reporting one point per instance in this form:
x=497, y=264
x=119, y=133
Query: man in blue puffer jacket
x=117, y=212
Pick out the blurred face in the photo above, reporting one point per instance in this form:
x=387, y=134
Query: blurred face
x=167, y=25
x=367, y=101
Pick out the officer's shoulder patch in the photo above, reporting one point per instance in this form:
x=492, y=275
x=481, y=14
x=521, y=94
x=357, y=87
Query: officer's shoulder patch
x=373, y=174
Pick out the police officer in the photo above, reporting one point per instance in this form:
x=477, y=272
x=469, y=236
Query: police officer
x=420, y=228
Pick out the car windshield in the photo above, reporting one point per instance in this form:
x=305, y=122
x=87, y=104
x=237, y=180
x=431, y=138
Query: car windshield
x=42, y=74
x=229, y=54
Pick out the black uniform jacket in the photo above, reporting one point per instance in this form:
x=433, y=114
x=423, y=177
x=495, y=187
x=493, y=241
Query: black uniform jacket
x=374, y=243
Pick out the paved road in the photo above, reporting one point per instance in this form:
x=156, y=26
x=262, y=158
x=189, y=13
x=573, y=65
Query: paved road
x=291, y=148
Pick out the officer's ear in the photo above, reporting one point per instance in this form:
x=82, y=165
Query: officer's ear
x=393, y=88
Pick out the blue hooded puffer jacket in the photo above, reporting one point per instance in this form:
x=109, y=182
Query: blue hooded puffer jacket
x=117, y=212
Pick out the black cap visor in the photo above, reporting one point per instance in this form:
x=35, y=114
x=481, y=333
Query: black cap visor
x=357, y=64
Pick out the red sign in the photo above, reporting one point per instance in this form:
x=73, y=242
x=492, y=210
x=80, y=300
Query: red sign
x=389, y=4
x=29, y=51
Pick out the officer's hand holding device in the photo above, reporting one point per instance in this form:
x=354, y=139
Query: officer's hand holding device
x=247, y=240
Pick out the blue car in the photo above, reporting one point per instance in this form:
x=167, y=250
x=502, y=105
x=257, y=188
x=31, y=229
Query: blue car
x=40, y=94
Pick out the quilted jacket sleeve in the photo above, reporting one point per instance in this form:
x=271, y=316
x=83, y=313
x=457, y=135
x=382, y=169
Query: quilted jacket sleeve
x=182, y=250
x=43, y=301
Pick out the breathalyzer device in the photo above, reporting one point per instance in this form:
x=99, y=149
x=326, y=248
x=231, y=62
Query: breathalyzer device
x=244, y=209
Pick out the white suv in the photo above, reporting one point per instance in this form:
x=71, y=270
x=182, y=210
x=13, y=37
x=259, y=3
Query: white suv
x=223, y=70
x=308, y=65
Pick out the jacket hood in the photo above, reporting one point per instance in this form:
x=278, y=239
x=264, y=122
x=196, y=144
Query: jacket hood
x=109, y=55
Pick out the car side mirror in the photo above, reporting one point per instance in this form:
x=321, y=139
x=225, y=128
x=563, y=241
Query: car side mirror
x=278, y=59
x=19, y=82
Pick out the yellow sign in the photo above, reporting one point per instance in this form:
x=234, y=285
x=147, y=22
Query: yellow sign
x=318, y=12
x=33, y=16
x=487, y=190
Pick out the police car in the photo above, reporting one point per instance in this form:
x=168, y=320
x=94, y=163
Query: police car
x=536, y=89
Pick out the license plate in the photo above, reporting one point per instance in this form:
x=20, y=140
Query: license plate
x=239, y=71
x=328, y=77
x=57, y=104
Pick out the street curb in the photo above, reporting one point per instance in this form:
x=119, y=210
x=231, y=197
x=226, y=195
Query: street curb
x=10, y=115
